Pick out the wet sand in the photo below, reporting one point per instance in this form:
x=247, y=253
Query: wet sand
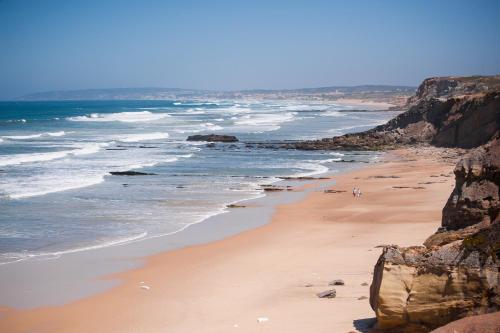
x=227, y=285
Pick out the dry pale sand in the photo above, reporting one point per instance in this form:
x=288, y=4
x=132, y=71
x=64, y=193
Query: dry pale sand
x=227, y=285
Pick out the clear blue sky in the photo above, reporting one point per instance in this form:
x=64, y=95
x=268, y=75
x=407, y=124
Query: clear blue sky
x=69, y=44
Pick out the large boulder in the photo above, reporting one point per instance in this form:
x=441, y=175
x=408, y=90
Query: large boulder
x=416, y=289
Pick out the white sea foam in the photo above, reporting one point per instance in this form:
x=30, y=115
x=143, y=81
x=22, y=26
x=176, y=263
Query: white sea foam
x=43, y=157
x=141, y=137
x=315, y=169
x=127, y=117
x=54, y=185
x=264, y=121
x=16, y=121
x=31, y=158
x=22, y=137
x=60, y=133
x=332, y=114
x=195, y=111
x=33, y=136
x=330, y=160
x=185, y=131
x=15, y=257
x=200, y=128
x=88, y=149
x=211, y=127
x=68, y=179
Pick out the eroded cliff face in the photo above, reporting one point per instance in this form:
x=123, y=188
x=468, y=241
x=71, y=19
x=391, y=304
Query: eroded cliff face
x=470, y=121
x=446, y=112
x=456, y=274
x=475, y=199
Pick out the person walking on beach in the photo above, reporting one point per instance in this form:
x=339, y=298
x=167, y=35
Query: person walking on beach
x=354, y=191
x=359, y=193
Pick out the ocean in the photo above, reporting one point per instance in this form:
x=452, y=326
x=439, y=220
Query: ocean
x=57, y=194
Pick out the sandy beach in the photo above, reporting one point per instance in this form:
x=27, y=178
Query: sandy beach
x=266, y=279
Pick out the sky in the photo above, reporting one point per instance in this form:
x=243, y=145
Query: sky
x=48, y=45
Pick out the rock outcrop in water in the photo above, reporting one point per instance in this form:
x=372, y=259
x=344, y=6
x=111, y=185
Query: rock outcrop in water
x=446, y=112
x=213, y=138
x=457, y=273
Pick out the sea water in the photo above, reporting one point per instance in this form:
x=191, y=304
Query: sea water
x=57, y=194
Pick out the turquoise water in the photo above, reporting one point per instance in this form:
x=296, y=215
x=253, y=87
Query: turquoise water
x=57, y=196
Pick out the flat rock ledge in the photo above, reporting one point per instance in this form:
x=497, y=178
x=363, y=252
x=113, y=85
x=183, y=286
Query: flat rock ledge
x=213, y=138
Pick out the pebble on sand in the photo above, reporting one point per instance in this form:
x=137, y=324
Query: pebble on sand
x=338, y=282
x=332, y=293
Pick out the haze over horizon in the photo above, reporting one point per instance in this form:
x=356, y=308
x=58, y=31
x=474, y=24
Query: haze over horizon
x=227, y=45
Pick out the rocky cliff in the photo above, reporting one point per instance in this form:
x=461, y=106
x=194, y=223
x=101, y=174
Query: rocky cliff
x=456, y=273
x=446, y=112
x=475, y=199
x=454, y=86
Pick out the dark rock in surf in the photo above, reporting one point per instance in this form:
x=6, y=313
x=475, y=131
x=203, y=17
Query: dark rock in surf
x=131, y=173
x=235, y=206
x=213, y=138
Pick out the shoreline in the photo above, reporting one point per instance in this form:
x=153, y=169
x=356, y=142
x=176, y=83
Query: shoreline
x=273, y=180
x=262, y=272
x=81, y=273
